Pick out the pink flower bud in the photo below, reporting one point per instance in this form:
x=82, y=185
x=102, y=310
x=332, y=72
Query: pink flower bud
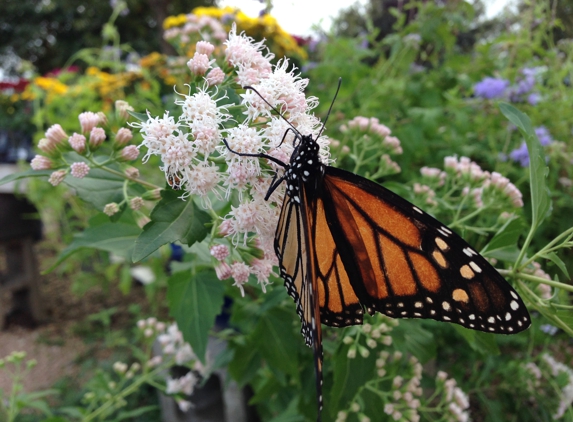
x=57, y=177
x=97, y=136
x=111, y=209
x=79, y=170
x=220, y=252
x=47, y=146
x=122, y=108
x=131, y=172
x=205, y=47
x=215, y=77
x=136, y=203
x=129, y=153
x=199, y=64
x=78, y=143
x=56, y=134
x=123, y=136
x=39, y=162
x=88, y=121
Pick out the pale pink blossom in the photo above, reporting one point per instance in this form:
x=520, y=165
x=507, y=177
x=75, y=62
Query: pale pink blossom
x=123, y=136
x=78, y=143
x=88, y=120
x=122, y=108
x=79, y=170
x=199, y=64
x=129, y=153
x=132, y=172
x=57, y=177
x=205, y=47
x=136, y=203
x=240, y=273
x=220, y=252
x=111, y=209
x=56, y=134
x=97, y=136
x=215, y=76
x=223, y=271
x=39, y=162
x=48, y=146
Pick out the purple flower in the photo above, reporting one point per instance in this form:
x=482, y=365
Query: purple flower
x=543, y=135
x=534, y=98
x=524, y=85
x=521, y=155
x=491, y=88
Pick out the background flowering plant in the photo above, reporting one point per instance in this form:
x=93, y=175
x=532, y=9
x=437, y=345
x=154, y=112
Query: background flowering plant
x=209, y=203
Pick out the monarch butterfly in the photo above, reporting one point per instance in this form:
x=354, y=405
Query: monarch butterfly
x=347, y=245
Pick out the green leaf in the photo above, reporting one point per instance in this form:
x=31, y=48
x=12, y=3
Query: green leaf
x=131, y=414
x=275, y=341
x=410, y=336
x=25, y=174
x=117, y=238
x=481, y=342
x=244, y=370
x=349, y=376
x=552, y=256
x=506, y=236
x=507, y=254
x=538, y=170
x=139, y=116
x=172, y=220
x=194, y=301
x=98, y=188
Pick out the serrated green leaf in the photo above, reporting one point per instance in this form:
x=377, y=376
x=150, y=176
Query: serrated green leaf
x=117, y=238
x=172, y=220
x=25, y=174
x=506, y=236
x=538, y=170
x=274, y=339
x=194, y=301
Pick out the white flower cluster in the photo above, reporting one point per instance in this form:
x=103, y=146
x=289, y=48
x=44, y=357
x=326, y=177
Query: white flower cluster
x=196, y=161
x=457, y=401
x=566, y=396
x=480, y=185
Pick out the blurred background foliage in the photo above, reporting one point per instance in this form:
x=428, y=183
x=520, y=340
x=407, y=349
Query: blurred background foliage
x=414, y=65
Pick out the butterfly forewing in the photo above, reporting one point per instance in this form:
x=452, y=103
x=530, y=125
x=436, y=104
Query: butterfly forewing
x=402, y=262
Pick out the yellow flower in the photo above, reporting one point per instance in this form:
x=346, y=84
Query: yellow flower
x=152, y=59
x=172, y=21
x=50, y=85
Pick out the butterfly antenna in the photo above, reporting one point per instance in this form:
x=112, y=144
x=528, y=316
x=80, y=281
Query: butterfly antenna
x=275, y=110
x=330, y=108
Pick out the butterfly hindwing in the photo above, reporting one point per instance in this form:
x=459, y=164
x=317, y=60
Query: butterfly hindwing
x=294, y=252
x=339, y=305
x=402, y=262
